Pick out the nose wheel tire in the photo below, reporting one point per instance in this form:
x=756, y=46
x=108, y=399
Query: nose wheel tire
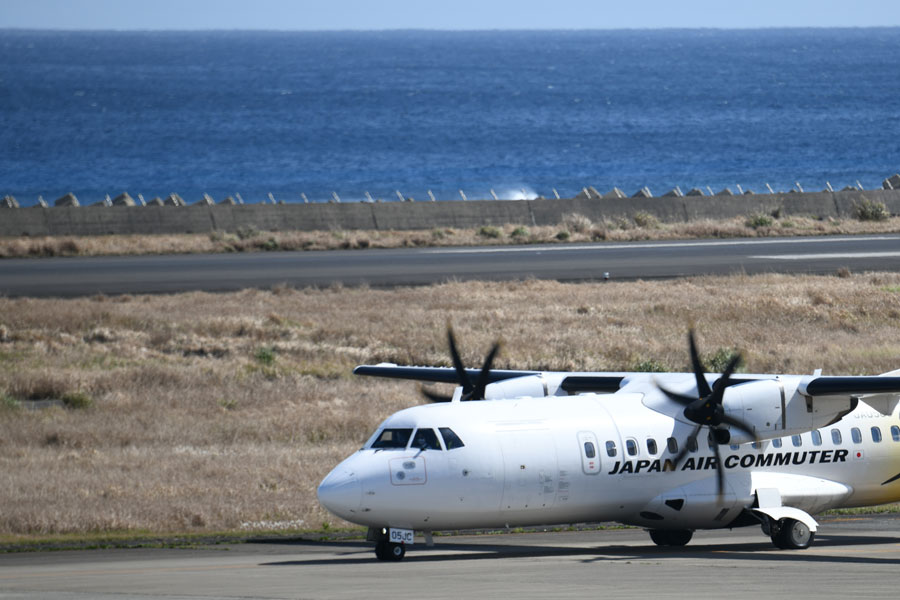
x=793, y=535
x=389, y=551
x=671, y=537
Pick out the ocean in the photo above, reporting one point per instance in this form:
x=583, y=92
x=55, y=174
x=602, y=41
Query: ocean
x=521, y=113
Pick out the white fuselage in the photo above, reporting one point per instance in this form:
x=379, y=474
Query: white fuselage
x=590, y=457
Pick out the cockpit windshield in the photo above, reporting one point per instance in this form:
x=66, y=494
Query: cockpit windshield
x=392, y=439
x=426, y=439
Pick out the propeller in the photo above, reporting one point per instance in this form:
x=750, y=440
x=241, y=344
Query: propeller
x=470, y=390
x=706, y=410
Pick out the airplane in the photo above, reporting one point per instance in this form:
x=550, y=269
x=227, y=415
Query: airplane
x=514, y=448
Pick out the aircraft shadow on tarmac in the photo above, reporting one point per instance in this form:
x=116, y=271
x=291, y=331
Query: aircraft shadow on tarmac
x=359, y=553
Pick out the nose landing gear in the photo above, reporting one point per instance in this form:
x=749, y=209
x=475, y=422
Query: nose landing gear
x=385, y=550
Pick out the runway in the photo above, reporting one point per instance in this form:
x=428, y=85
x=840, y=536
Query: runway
x=854, y=557
x=419, y=266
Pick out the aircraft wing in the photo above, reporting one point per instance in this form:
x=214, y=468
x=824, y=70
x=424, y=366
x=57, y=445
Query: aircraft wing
x=851, y=386
x=881, y=392
x=572, y=383
x=434, y=374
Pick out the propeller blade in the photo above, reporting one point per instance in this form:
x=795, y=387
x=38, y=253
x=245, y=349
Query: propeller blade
x=433, y=396
x=687, y=446
x=464, y=379
x=702, y=386
x=676, y=397
x=720, y=472
x=738, y=424
x=722, y=382
x=484, y=375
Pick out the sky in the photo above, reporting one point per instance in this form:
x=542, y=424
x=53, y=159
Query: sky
x=443, y=14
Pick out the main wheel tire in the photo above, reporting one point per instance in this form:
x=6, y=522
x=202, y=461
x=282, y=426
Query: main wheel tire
x=396, y=551
x=381, y=551
x=793, y=535
x=671, y=537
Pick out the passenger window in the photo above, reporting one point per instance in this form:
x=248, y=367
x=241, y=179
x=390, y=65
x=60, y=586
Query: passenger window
x=895, y=433
x=451, y=440
x=735, y=447
x=797, y=441
x=817, y=438
x=692, y=444
x=856, y=435
x=589, y=450
x=611, y=449
x=876, y=434
x=651, y=446
x=392, y=439
x=426, y=439
x=836, y=436
x=776, y=443
x=631, y=447
x=672, y=445
x=755, y=445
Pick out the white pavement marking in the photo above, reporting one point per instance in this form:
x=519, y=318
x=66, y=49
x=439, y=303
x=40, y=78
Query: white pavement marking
x=827, y=256
x=627, y=245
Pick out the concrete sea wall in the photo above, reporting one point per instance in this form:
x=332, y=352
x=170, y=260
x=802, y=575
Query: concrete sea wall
x=204, y=217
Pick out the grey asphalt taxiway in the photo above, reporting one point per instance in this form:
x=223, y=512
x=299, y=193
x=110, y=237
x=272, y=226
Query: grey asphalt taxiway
x=852, y=557
x=417, y=266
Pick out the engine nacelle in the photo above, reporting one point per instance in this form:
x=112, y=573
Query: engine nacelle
x=775, y=408
x=531, y=386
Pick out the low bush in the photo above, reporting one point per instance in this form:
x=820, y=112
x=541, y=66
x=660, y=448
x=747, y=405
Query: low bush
x=644, y=219
x=718, y=360
x=870, y=210
x=577, y=223
x=759, y=220
x=489, y=231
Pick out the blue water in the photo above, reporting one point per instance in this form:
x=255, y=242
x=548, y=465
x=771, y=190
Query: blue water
x=98, y=113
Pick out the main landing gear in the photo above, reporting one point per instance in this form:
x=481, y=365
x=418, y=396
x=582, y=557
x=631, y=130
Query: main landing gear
x=671, y=537
x=790, y=534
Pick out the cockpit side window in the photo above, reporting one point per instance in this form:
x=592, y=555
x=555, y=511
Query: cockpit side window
x=392, y=439
x=425, y=439
x=451, y=440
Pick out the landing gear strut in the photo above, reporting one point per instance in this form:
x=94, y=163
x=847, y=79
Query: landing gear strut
x=671, y=537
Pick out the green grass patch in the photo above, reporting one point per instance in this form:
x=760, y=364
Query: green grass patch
x=866, y=510
x=265, y=355
x=77, y=400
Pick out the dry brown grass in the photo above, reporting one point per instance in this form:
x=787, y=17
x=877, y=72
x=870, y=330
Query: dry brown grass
x=575, y=228
x=213, y=412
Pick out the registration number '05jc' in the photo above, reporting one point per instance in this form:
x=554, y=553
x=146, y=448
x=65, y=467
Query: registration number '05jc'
x=401, y=536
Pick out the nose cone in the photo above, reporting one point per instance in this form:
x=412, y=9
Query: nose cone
x=341, y=493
